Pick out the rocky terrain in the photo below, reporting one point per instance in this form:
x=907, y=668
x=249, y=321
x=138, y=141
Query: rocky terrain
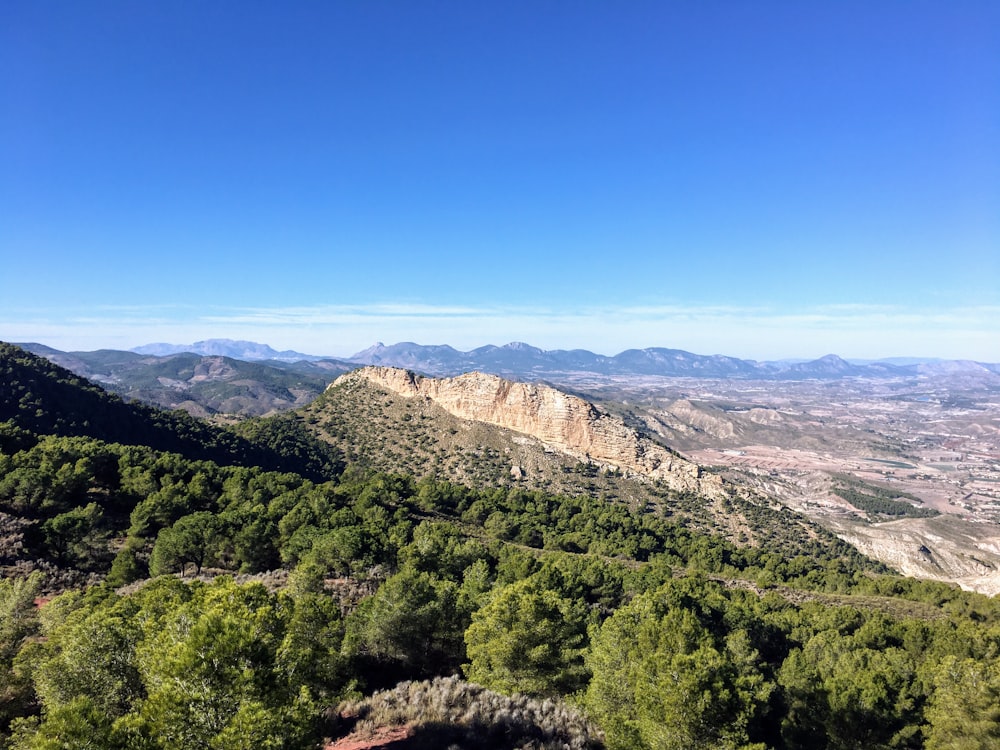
x=932, y=441
x=944, y=548
x=558, y=420
x=797, y=443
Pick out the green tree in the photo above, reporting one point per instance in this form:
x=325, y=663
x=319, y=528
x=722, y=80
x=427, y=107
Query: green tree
x=441, y=549
x=310, y=653
x=175, y=666
x=127, y=566
x=527, y=639
x=72, y=536
x=18, y=621
x=844, y=693
x=662, y=679
x=209, y=673
x=77, y=724
x=192, y=540
x=89, y=652
x=412, y=625
x=964, y=712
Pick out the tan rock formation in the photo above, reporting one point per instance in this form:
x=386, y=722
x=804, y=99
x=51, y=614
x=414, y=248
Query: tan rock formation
x=561, y=421
x=942, y=548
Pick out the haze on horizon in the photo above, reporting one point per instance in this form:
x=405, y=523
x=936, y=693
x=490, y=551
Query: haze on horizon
x=768, y=180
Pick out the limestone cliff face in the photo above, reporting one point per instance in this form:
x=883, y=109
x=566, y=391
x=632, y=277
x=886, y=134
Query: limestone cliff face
x=563, y=422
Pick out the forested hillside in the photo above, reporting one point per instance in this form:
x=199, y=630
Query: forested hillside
x=201, y=385
x=161, y=590
x=43, y=398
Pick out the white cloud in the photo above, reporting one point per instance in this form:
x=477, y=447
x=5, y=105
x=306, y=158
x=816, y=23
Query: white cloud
x=869, y=331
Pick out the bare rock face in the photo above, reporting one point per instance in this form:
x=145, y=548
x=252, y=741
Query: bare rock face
x=561, y=421
x=941, y=548
x=691, y=415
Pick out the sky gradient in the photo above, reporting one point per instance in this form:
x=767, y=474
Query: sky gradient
x=764, y=180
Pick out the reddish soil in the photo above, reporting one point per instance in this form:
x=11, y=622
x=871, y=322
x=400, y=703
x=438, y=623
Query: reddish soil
x=384, y=738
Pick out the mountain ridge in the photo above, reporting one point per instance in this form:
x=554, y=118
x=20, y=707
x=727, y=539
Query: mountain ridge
x=391, y=420
x=202, y=385
x=42, y=397
x=524, y=360
x=206, y=385
x=557, y=419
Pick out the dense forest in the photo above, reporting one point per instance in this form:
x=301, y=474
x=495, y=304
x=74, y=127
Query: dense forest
x=171, y=584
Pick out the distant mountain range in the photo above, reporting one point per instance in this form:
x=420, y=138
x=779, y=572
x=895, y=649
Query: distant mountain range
x=167, y=374
x=524, y=361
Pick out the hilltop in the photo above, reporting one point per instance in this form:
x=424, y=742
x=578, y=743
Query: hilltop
x=557, y=420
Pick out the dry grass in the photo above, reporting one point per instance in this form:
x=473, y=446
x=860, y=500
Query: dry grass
x=448, y=712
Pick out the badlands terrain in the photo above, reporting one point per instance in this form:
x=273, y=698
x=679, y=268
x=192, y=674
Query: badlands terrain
x=906, y=471
x=932, y=442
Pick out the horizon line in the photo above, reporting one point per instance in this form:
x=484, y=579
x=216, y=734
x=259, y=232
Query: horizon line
x=189, y=349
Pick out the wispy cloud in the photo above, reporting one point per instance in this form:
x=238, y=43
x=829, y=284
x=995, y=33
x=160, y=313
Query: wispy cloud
x=753, y=332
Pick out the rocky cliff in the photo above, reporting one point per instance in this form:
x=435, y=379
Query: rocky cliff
x=560, y=421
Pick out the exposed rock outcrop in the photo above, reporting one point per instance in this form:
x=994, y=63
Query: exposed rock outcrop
x=941, y=548
x=559, y=420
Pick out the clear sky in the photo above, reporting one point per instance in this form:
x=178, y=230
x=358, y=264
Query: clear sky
x=759, y=179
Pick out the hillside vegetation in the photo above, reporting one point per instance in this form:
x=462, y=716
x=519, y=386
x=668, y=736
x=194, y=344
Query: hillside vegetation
x=384, y=431
x=205, y=602
x=43, y=398
x=879, y=502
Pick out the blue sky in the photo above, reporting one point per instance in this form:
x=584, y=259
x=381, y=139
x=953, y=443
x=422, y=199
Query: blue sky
x=760, y=179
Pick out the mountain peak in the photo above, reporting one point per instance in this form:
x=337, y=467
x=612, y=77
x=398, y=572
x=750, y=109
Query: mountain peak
x=245, y=350
x=520, y=346
x=377, y=348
